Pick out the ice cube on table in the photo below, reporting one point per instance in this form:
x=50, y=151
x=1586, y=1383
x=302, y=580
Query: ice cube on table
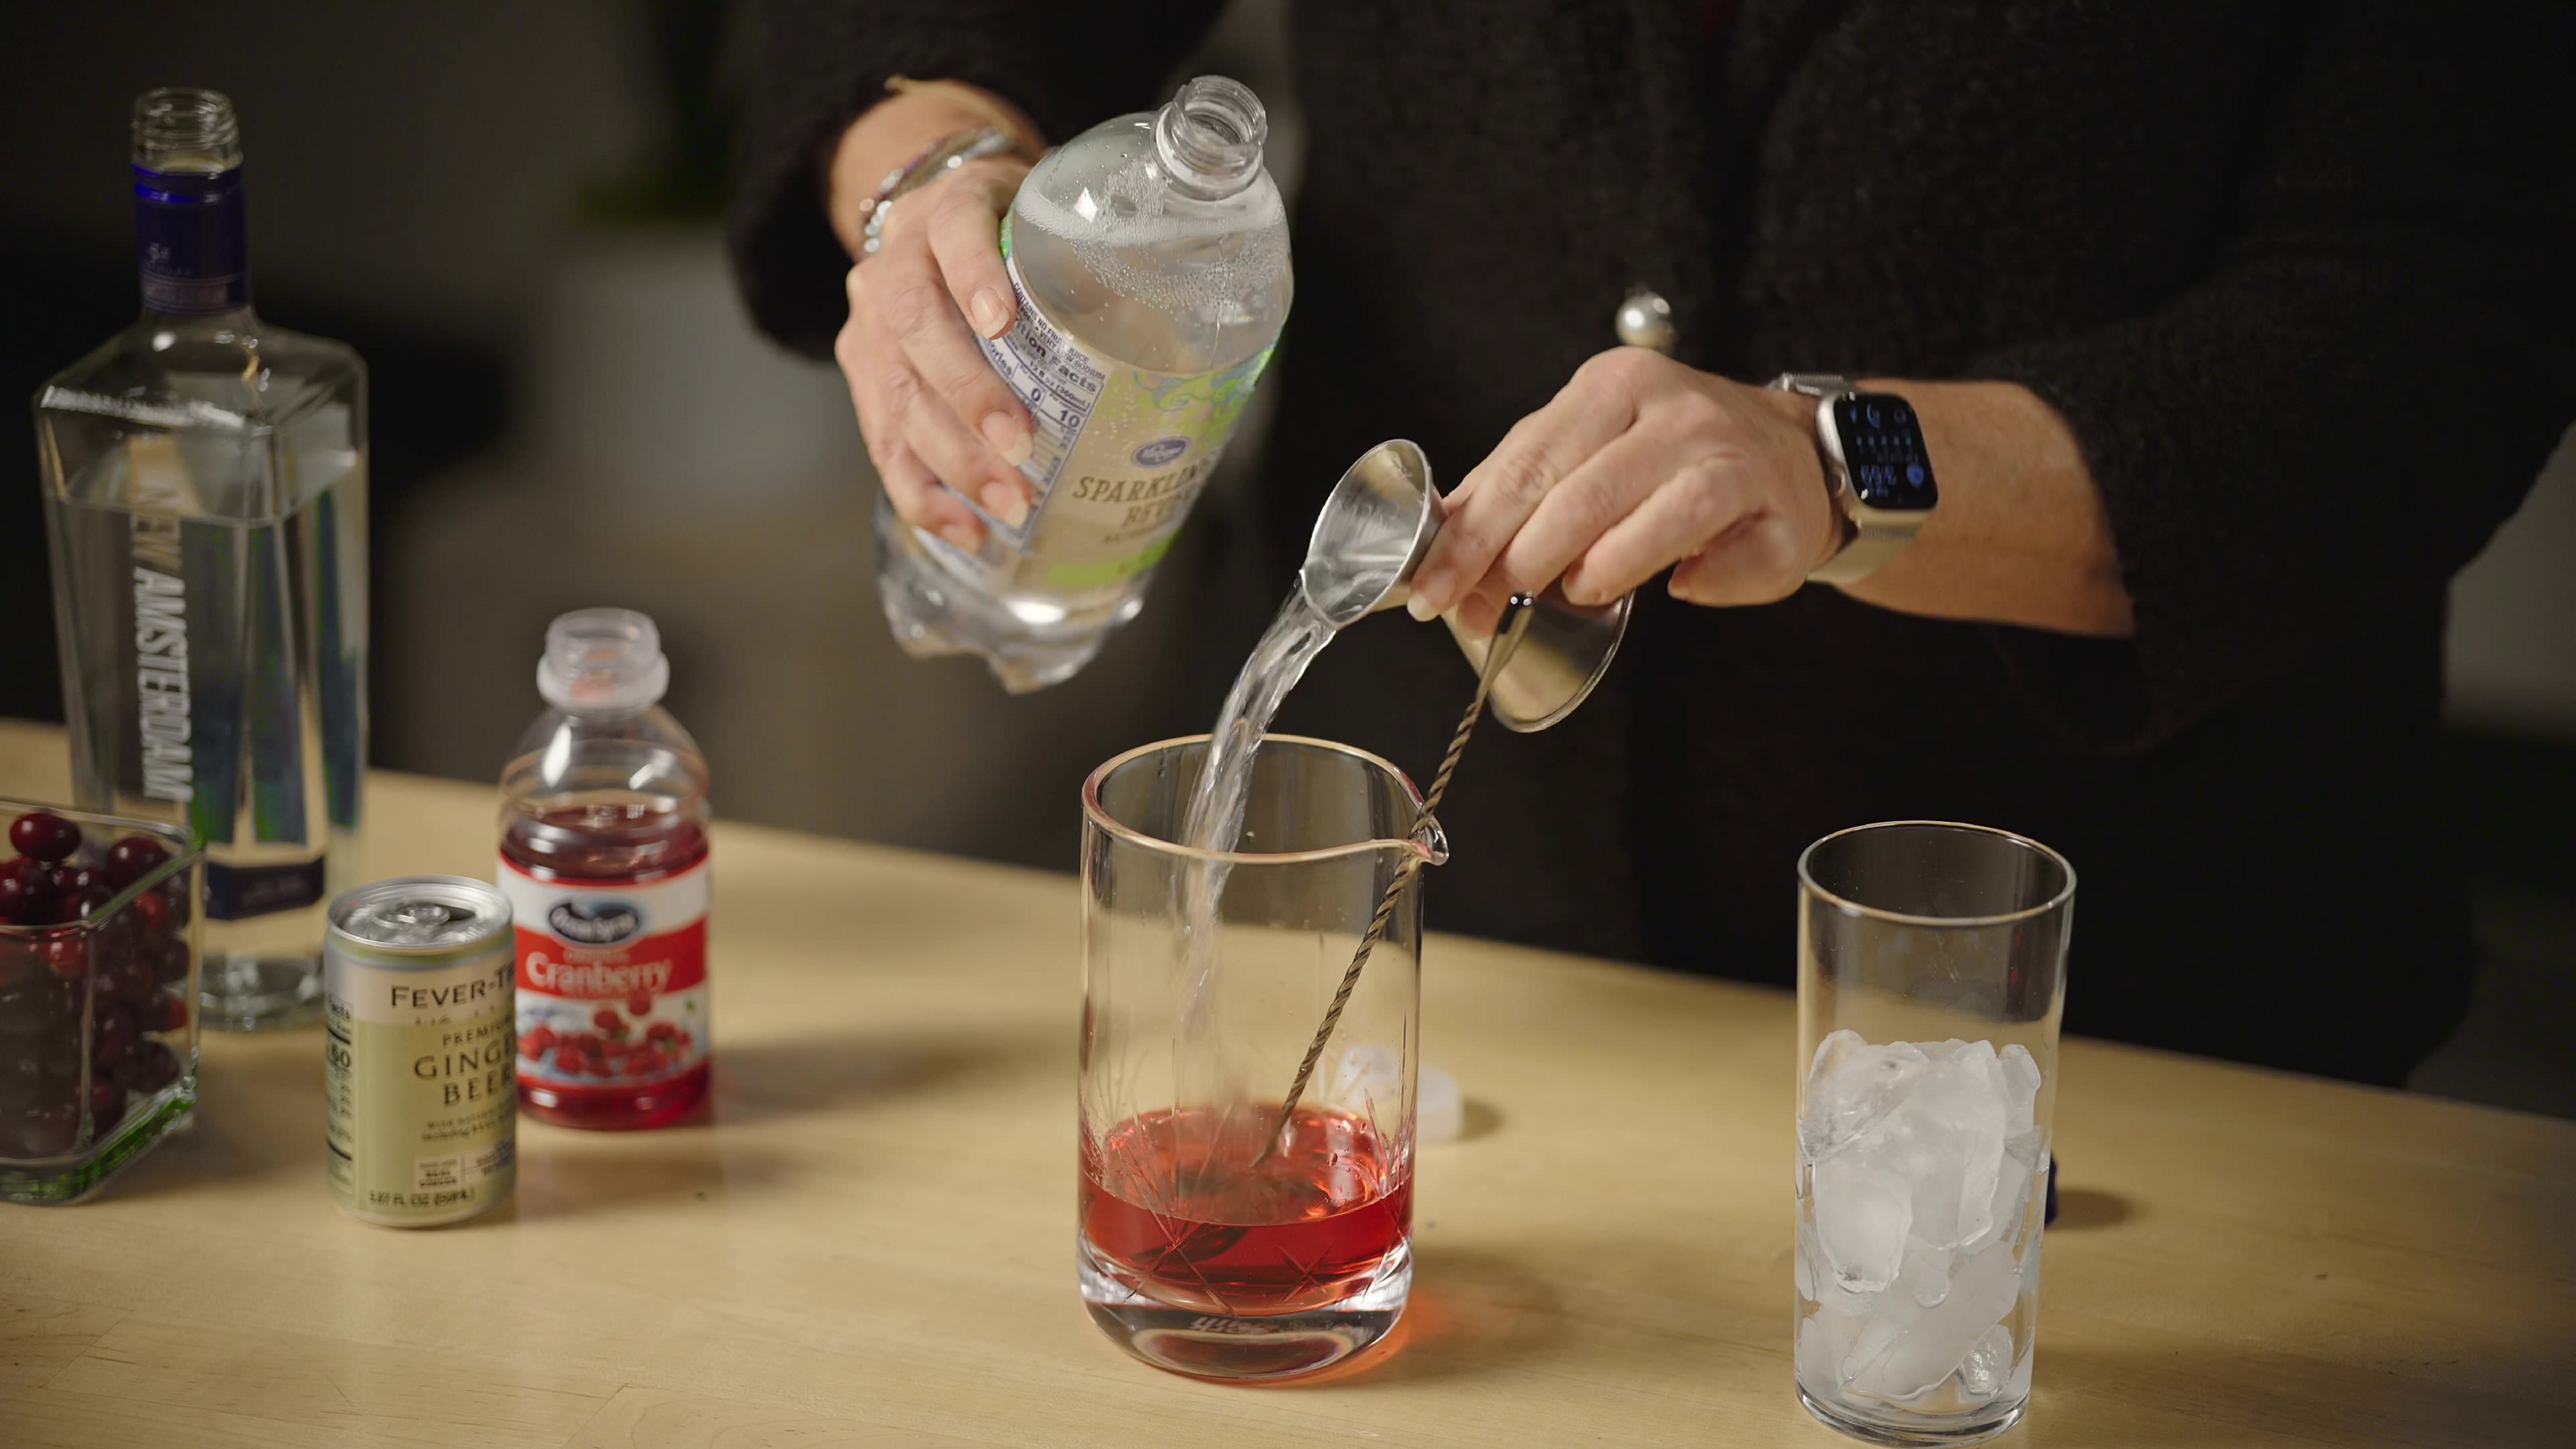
x=1863, y=1212
x=1439, y=1113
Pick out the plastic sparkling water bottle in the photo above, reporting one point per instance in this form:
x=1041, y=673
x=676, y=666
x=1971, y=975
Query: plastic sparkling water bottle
x=1150, y=262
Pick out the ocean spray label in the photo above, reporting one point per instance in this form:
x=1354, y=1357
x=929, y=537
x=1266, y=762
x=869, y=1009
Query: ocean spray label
x=612, y=977
x=420, y=1084
x=1118, y=454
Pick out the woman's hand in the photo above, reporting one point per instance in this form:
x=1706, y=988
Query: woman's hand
x=931, y=407
x=1638, y=464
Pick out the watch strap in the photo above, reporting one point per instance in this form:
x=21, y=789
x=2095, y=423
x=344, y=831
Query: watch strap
x=1863, y=553
x=1815, y=384
x=1866, y=548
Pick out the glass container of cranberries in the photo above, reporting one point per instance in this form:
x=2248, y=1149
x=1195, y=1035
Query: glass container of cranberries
x=98, y=985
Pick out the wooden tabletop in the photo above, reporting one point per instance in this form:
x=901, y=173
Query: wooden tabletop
x=870, y=1242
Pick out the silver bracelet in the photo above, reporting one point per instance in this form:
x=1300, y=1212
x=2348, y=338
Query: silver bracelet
x=938, y=159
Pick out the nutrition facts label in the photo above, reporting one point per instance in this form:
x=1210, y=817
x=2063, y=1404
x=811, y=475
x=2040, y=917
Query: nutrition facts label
x=1059, y=382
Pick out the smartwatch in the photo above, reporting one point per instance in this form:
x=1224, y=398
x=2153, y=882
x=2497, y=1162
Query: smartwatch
x=1877, y=472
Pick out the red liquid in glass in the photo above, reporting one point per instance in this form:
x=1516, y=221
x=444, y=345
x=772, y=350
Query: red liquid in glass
x=630, y=841
x=1172, y=1205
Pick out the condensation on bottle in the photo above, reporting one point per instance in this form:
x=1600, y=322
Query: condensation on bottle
x=1149, y=258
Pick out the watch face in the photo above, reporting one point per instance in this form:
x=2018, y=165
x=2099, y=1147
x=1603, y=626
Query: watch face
x=1883, y=450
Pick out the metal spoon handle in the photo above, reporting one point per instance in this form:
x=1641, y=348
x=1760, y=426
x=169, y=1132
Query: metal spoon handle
x=1506, y=639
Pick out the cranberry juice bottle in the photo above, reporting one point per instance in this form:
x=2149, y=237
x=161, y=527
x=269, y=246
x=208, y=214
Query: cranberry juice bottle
x=604, y=859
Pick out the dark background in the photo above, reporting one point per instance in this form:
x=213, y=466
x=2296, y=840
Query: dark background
x=510, y=211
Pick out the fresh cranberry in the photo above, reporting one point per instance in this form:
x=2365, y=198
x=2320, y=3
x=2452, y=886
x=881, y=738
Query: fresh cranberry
x=638, y=1003
x=106, y=1104
x=36, y=1007
x=26, y=892
x=646, y=1062
x=20, y=957
x=113, y=1037
x=44, y=835
x=169, y=961
x=541, y=1040
x=131, y=859
x=67, y=954
x=113, y=935
x=607, y=1020
x=166, y=1011
x=71, y=878
x=130, y=978
x=661, y=1031
x=569, y=1060
x=156, y=1066
x=69, y=909
x=152, y=913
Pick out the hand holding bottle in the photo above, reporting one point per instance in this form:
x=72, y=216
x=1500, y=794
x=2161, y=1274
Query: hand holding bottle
x=1149, y=266
x=930, y=405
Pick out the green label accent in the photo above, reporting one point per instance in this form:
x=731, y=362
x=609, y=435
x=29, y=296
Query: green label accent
x=1118, y=454
x=1084, y=576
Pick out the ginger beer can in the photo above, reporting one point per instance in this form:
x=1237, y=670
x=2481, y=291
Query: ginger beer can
x=421, y=1044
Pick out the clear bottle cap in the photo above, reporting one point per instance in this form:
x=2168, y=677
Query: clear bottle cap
x=602, y=661
x=1439, y=1113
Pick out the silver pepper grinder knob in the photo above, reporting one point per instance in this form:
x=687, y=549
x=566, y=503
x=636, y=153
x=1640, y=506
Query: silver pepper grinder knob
x=1645, y=320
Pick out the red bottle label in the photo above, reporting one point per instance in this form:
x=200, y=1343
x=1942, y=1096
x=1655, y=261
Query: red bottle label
x=612, y=977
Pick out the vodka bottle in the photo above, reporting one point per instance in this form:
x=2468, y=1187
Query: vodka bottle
x=205, y=500
x=1150, y=261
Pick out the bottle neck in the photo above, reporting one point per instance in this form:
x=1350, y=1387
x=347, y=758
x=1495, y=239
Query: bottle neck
x=191, y=247
x=1209, y=137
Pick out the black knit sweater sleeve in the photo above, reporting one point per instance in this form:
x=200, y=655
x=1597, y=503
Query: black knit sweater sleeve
x=822, y=62
x=2361, y=388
